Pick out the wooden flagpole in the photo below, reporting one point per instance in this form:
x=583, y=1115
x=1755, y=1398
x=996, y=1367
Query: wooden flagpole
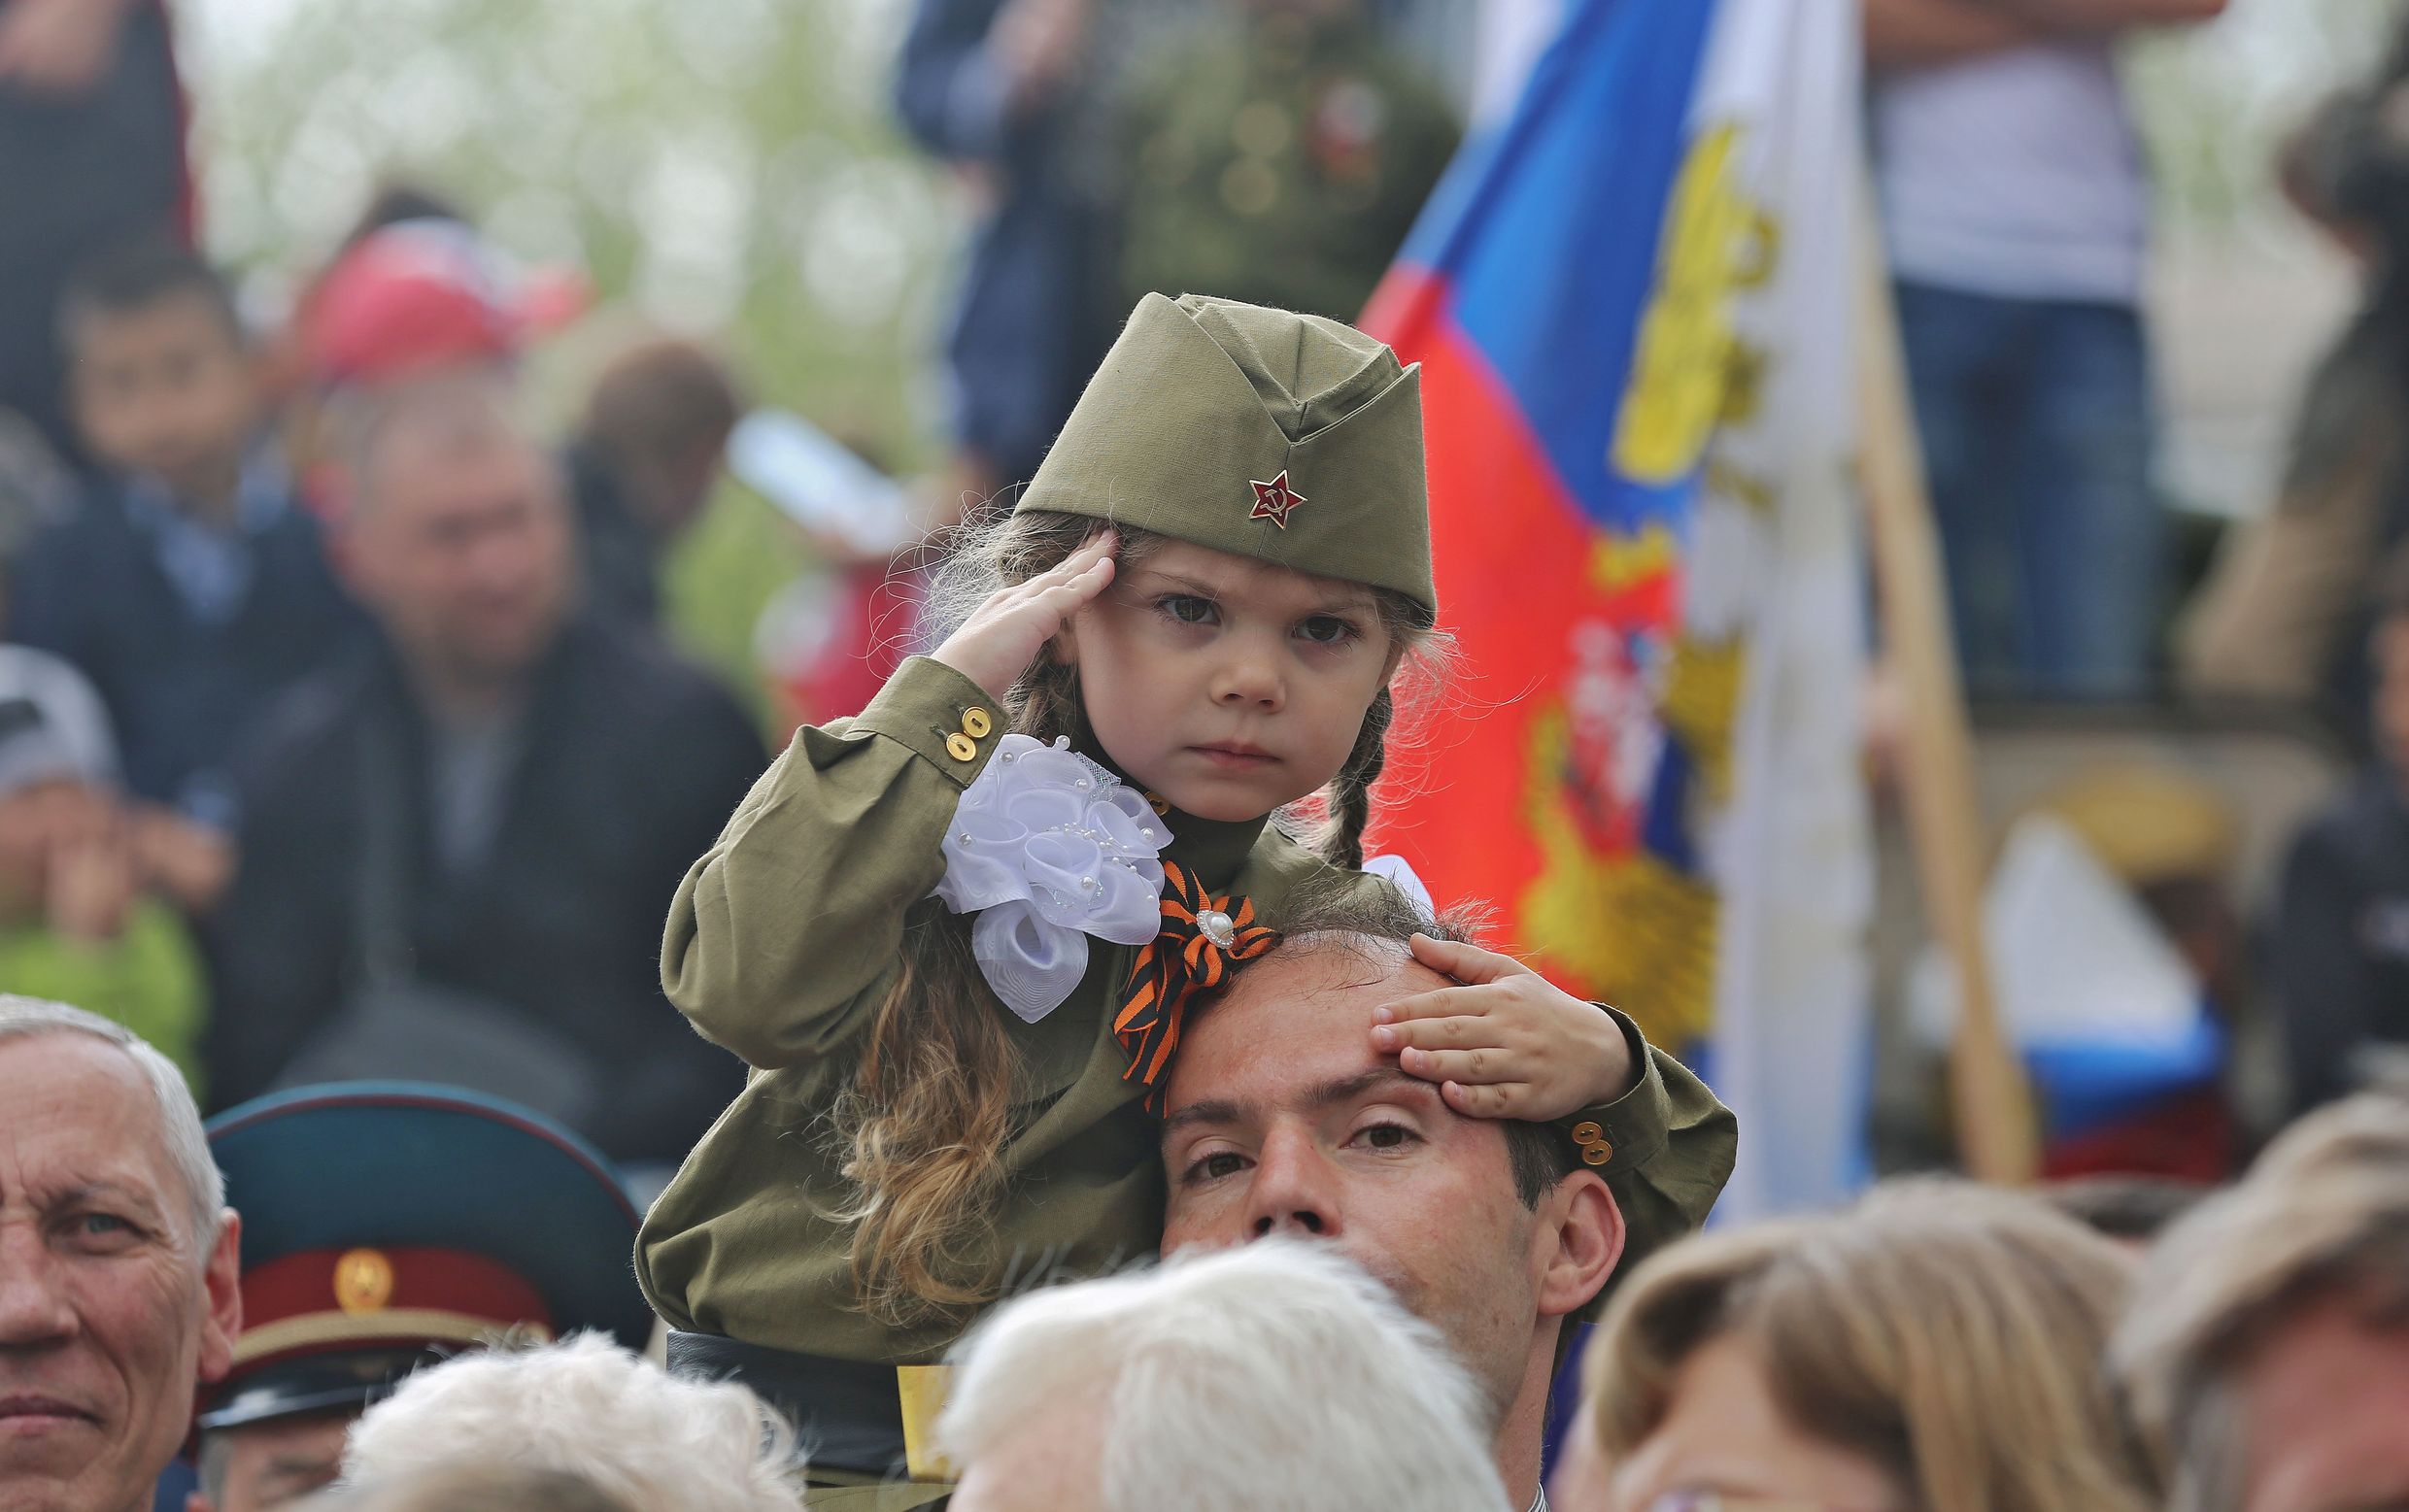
x=1997, y=1137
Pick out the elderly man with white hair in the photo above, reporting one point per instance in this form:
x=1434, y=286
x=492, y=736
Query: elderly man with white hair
x=1279, y=1378
x=119, y=1263
x=632, y=1432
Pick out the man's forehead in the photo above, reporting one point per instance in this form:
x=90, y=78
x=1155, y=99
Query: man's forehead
x=1295, y=1018
x=1334, y=969
x=85, y=1100
x=49, y=1055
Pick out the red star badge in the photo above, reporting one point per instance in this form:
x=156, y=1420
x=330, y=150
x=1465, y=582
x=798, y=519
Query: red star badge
x=1274, y=499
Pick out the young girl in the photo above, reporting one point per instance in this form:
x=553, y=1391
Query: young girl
x=934, y=931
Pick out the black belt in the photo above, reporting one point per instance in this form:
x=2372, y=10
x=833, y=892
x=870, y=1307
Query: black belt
x=846, y=1412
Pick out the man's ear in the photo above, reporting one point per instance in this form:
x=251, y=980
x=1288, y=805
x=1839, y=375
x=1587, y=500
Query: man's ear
x=1588, y=1230
x=222, y=1284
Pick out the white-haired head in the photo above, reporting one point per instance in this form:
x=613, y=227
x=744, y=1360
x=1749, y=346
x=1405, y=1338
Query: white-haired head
x=180, y=1119
x=590, y=1408
x=1274, y=1376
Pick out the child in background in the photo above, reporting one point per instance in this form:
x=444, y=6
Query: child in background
x=78, y=868
x=187, y=584
x=1191, y=621
x=646, y=456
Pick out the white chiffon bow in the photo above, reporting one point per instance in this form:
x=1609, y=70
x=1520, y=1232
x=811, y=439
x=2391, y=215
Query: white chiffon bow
x=1049, y=848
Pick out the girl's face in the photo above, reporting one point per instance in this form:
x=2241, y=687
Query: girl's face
x=1226, y=684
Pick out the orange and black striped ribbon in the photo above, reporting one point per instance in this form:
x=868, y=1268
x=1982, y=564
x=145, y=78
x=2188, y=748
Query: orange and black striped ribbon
x=1180, y=964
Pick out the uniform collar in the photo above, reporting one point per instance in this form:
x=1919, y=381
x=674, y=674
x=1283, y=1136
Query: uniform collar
x=1212, y=850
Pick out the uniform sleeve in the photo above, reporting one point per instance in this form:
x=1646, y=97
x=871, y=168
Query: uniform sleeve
x=1665, y=1148
x=785, y=935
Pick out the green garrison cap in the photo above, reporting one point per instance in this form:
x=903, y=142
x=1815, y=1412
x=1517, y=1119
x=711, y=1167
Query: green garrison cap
x=1284, y=437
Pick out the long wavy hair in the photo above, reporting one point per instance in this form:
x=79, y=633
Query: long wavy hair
x=923, y=1126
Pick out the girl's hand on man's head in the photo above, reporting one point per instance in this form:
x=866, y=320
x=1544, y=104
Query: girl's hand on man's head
x=1504, y=1043
x=1004, y=635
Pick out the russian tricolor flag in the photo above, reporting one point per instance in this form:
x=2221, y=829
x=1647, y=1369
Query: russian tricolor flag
x=1631, y=303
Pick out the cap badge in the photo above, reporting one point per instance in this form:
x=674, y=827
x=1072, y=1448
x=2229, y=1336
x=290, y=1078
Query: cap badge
x=1274, y=499
x=363, y=1281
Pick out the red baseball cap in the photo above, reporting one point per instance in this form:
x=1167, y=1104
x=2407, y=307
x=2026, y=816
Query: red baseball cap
x=409, y=297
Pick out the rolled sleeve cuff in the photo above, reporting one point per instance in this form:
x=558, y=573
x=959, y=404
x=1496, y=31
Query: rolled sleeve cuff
x=1631, y=1130
x=944, y=718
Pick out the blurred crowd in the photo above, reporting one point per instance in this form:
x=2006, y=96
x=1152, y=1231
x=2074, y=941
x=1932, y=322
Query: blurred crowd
x=342, y=737
x=336, y=692
x=340, y=729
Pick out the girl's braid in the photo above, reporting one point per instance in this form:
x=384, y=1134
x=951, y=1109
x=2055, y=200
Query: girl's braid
x=1350, y=798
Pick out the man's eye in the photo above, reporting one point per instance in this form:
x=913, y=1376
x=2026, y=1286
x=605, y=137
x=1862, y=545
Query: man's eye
x=1187, y=608
x=101, y=1225
x=1386, y=1137
x=1216, y=1167
x=1327, y=630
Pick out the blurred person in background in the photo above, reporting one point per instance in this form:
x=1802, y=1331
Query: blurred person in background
x=118, y=1259
x=292, y=357
x=1278, y=1377
x=92, y=132
x=2015, y=203
x=1019, y=96
x=588, y=1408
x=646, y=456
x=81, y=915
x=1937, y=1348
x=188, y=583
x=1277, y=151
x=2286, y=610
x=2266, y=1353
x=2341, y=937
x=457, y=849
x=407, y=298
x=416, y=290
x=388, y=1226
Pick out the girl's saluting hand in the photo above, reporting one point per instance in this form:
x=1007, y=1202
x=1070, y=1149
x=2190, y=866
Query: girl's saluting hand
x=1506, y=1043
x=1004, y=635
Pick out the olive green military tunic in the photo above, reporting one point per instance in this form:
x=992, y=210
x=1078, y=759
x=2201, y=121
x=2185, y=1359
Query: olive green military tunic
x=787, y=935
